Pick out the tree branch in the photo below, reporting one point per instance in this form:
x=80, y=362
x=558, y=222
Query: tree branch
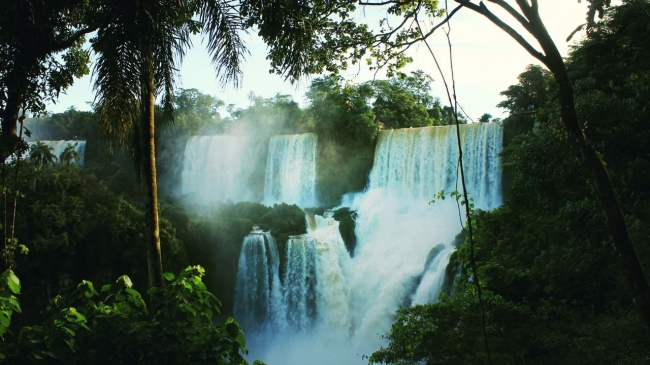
x=66, y=43
x=526, y=8
x=483, y=10
x=514, y=13
x=382, y=3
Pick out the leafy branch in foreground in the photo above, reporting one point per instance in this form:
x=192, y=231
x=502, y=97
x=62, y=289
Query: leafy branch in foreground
x=115, y=325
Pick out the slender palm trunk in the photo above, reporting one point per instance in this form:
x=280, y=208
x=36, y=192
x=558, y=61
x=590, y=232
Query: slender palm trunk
x=154, y=258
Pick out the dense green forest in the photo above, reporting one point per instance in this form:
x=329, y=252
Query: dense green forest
x=554, y=287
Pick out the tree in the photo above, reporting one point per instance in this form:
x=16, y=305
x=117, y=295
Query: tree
x=447, y=116
x=341, y=112
x=69, y=155
x=197, y=112
x=138, y=53
x=402, y=102
x=485, y=118
x=530, y=93
x=279, y=114
x=41, y=53
x=597, y=176
x=42, y=154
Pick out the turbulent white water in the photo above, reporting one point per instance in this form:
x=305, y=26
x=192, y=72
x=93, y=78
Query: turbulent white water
x=258, y=281
x=433, y=278
x=341, y=305
x=299, y=297
x=215, y=169
x=291, y=170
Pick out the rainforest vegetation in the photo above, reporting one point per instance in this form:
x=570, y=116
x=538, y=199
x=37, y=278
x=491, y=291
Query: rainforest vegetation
x=555, y=289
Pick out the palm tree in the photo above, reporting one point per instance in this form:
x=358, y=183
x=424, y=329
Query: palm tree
x=138, y=54
x=42, y=154
x=69, y=154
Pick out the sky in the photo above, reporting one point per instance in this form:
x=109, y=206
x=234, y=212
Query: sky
x=486, y=61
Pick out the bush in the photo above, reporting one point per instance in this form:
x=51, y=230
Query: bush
x=115, y=326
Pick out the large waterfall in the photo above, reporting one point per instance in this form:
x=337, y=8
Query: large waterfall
x=291, y=170
x=219, y=168
x=214, y=169
x=335, y=307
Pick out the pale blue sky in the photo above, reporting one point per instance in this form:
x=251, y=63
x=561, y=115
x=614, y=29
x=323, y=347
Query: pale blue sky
x=486, y=62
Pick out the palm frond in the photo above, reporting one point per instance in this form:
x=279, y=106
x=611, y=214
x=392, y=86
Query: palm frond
x=116, y=75
x=223, y=26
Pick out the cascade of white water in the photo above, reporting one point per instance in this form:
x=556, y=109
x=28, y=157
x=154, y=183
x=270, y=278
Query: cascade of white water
x=257, y=289
x=214, y=169
x=433, y=278
x=332, y=267
x=396, y=229
x=422, y=161
x=291, y=170
x=299, y=284
x=396, y=225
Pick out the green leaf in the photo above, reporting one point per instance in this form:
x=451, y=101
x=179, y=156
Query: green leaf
x=168, y=276
x=5, y=318
x=70, y=343
x=132, y=292
x=13, y=282
x=125, y=280
x=154, y=290
x=232, y=329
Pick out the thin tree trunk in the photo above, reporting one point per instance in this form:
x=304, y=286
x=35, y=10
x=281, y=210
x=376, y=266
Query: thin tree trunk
x=597, y=176
x=15, y=97
x=154, y=258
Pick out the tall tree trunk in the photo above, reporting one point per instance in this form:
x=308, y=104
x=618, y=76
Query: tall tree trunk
x=16, y=90
x=598, y=177
x=154, y=258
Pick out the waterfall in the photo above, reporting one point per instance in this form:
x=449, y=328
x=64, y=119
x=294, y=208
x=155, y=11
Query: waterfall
x=291, y=170
x=57, y=147
x=214, y=169
x=314, y=289
x=257, y=289
x=342, y=304
x=422, y=161
x=299, y=284
x=432, y=280
x=332, y=267
x=396, y=225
